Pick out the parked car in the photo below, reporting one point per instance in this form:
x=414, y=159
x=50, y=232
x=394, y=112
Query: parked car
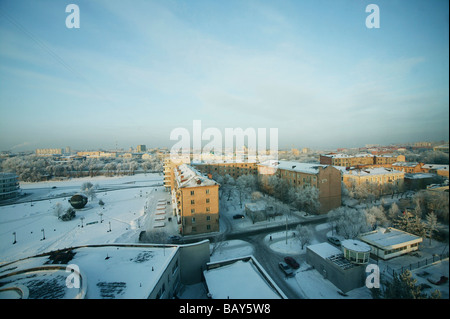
x=286, y=269
x=334, y=241
x=238, y=216
x=291, y=262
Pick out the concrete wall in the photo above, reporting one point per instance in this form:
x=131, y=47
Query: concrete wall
x=193, y=260
x=345, y=280
x=329, y=185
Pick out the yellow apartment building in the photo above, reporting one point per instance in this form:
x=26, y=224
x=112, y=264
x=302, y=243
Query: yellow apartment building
x=196, y=201
x=408, y=167
x=377, y=175
x=360, y=160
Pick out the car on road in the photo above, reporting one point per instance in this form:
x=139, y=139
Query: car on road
x=334, y=241
x=291, y=262
x=175, y=239
x=286, y=269
x=238, y=216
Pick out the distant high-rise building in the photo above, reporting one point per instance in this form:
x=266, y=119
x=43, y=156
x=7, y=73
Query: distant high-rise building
x=141, y=148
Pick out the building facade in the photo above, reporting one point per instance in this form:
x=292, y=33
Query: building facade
x=327, y=179
x=9, y=186
x=234, y=169
x=377, y=175
x=387, y=243
x=49, y=151
x=359, y=160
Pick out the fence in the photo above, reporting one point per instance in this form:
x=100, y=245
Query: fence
x=415, y=265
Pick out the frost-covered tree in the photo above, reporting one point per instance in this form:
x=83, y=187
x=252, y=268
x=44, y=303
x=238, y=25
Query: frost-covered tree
x=305, y=199
x=304, y=234
x=88, y=189
x=376, y=217
x=402, y=286
x=58, y=210
x=393, y=212
x=349, y=222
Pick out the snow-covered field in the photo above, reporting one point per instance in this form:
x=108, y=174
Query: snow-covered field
x=126, y=212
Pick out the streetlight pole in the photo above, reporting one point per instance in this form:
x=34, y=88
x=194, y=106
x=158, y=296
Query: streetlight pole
x=14, y=233
x=286, y=230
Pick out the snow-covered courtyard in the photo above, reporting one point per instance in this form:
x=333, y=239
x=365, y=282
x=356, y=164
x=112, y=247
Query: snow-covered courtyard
x=129, y=207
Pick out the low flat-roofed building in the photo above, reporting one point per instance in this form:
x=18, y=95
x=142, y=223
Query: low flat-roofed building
x=331, y=263
x=109, y=271
x=240, y=278
x=390, y=242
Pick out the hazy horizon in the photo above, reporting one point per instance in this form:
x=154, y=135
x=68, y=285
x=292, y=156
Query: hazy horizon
x=136, y=70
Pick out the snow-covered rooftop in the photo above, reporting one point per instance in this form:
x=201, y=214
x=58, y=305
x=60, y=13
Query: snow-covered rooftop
x=309, y=168
x=187, y=176
x=324, y=250
x=355, y=245
x=368, y=171
x=341, y=155
x=405, y=164
x=388, y=237
x=111, y=271
x=435, y=166
x=239, y=280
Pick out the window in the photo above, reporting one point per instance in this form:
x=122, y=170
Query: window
x=192, y=201
x=192, y=211
x=207, y=200
x=207, y=191
x=208, y=227
x=208, y=209
x=192, y=192
x=208, y=218
x=193, y=219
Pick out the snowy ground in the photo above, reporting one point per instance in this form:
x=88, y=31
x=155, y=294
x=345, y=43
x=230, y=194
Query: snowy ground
x=126, y=212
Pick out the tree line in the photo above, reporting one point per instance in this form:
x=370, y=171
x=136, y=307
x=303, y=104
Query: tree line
x=32, y=168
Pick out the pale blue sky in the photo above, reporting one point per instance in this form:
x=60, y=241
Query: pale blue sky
x=135, y=70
